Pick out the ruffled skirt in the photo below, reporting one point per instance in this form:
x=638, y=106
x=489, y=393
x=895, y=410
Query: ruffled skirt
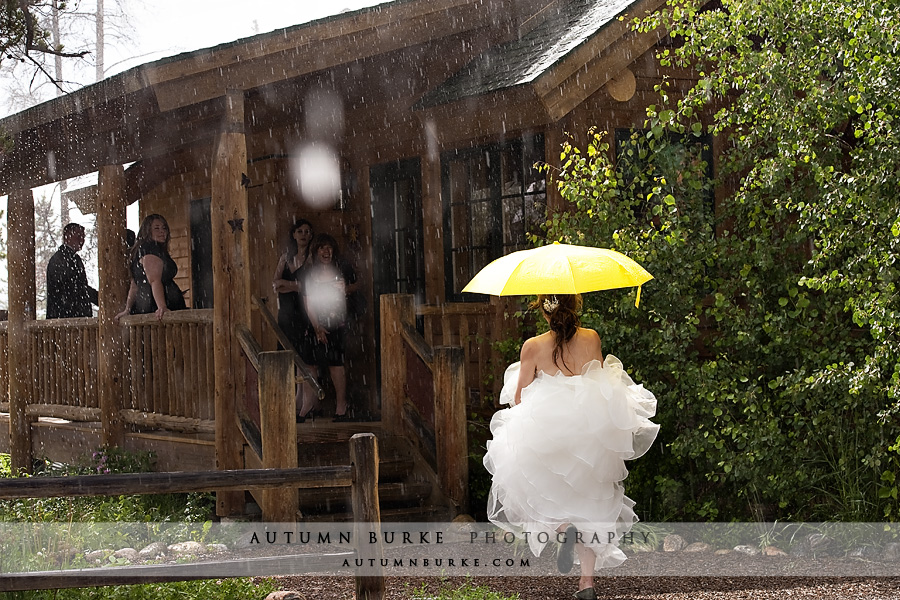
x=558, y=456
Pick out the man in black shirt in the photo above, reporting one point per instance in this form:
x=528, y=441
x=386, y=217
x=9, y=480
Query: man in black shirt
x=68, y=292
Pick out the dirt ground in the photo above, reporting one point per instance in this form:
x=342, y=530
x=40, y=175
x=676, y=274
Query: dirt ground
x=623, y=587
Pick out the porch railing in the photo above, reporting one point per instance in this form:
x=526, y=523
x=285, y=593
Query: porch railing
x=168, y=366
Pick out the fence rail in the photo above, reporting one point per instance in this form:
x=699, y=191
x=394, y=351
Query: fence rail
x=361, y=476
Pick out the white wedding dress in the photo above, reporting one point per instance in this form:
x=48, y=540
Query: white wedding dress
x=558, y=456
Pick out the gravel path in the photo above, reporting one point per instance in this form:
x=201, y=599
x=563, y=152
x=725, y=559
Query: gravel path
x=622, y=588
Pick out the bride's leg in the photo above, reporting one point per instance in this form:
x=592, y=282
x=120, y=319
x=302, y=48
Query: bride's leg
x=587, y=558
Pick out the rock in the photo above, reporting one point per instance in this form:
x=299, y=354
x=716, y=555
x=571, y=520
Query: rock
x=819, y=543
x=698, y=547
x=246, y=540
x=864, y=552
x=673, y=543
x=801, y=548
x=187, y=548
x=723, y=551
x=891, y=551
x=748, y=550
x=216, y=548
x=463, y=518
x=773, y=551
x=97, y=556
x=129, y=554
x=153, y=551
x=285, y=595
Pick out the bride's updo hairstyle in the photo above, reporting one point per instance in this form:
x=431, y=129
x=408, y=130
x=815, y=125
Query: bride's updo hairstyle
x=562, y=312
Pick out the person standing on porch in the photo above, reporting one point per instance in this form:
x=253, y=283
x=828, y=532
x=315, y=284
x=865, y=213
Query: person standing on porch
x=292, y=318
x=68, y=292
x=327, y=284
x=153, y=288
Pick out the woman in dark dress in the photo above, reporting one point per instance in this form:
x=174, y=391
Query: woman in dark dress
x=153, y=288
x=327, y=283
x=292, y=319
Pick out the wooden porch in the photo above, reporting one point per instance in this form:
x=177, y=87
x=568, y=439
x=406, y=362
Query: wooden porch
x=429, y=384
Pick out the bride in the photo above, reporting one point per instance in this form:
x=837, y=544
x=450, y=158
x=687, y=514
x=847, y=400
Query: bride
x=557, y=454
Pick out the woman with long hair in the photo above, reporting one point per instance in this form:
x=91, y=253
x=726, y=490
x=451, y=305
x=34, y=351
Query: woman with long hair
x=557, y=454
x=327, y=284
x=153, y=288
x=287, y=282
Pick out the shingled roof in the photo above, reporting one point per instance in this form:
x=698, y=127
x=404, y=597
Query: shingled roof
x=521, y=61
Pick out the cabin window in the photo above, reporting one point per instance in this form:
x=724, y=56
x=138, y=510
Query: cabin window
x=493, y=198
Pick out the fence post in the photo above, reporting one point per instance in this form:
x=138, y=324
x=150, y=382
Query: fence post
x=450, y=424
x=278, y=430
x=366, y=513
x=396, y=309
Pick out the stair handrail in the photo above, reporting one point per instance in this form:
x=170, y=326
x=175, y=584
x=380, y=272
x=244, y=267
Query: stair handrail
x=447, y=365
x=286, y=343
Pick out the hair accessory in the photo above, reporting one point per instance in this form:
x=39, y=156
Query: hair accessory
x=551, y=303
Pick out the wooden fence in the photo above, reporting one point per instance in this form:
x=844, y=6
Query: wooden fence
x=361, y=476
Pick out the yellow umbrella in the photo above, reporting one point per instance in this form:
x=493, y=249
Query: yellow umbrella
x=558, y=269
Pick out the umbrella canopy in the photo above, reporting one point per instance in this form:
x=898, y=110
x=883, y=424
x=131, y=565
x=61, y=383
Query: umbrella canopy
x=558, y=269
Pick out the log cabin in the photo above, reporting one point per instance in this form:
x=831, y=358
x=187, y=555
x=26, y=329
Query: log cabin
x=420, y=119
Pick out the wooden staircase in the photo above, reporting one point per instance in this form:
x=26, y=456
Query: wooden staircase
x=407, y=490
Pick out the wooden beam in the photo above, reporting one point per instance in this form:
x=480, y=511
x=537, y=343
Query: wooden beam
x=22, y=302
x=112, y=260
x=228, y=208
x=279, y=431
x=433, y=217
x=127, y=484
x=450, y=424
x=396, y=309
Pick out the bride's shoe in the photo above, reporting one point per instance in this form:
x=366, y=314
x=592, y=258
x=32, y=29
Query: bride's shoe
x=585, y=594
x=566, y=557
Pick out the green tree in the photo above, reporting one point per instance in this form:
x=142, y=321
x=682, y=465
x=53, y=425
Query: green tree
x=770, y=334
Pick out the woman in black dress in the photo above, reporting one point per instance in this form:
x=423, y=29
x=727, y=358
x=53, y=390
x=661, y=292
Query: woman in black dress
x=153, y=288
x=327, y=283
x=292, y=319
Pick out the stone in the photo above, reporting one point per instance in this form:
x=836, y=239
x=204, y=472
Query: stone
x=153, y=551
x=246, y=540
x=698, y=547
x=864, y=552
x=97, y=556
x=463, y=518
x=773, y=551
x=129, y=554
x=187, y=548
x=748, y=550
x=673, y=543
x=891, y=551
x=285, y=595
x=723, y=551
x=216, y=548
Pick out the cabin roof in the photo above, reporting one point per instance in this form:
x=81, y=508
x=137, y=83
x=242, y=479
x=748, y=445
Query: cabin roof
x=568, y=25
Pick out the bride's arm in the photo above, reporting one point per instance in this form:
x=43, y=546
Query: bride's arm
x=527, y=370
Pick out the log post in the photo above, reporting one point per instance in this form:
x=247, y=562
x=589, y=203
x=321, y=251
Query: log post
x=433, y=222
x=114, y=277
x=396, y=309
x=450, y=424
x=366, y=513
x=231, y=304
x=278, y=431
x=22, y=303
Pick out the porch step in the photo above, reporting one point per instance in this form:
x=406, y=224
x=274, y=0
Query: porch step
x=425, y=514
x=399, y=494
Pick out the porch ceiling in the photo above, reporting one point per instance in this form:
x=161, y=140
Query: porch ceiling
x=153, y=111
